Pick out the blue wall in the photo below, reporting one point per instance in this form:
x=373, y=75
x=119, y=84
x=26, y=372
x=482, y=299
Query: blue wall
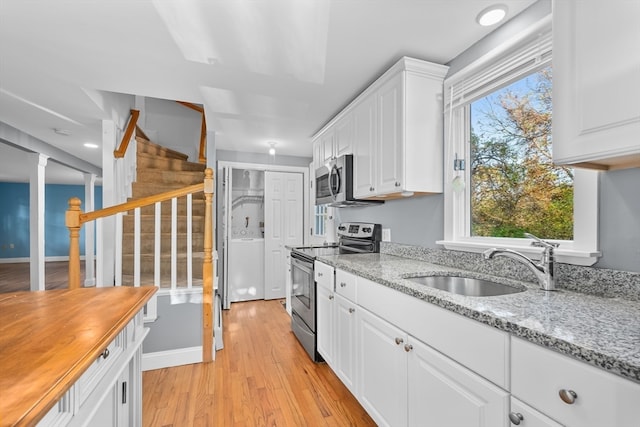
x=14, y=218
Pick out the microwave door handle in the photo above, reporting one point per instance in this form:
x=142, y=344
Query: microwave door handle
x=331, y=172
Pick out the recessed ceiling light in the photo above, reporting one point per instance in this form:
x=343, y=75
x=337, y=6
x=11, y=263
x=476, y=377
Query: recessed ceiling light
x=492, y=15
x=90, y=145
x=65, y=132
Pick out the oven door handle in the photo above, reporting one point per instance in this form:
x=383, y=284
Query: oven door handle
x=357, y=250
x=302, y=263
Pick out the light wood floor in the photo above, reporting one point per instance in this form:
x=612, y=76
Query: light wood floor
x=262, y=377
x=16, y=277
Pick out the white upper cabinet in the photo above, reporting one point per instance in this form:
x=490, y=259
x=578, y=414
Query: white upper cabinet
x=365, y=118
x=334, y=140
x=343, y=138
x=394, y=131
x=402, y=142
x=596, y=87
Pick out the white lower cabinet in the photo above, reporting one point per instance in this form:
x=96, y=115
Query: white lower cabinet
x=109, y=392
x=444, y=393
x=404, y=382
x=572, y=392
x=346, y=343
x=382, y=370
x=325, y=312
x=524, y=415
x=325, y=320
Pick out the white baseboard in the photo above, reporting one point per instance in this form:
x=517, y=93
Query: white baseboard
x=171, y=358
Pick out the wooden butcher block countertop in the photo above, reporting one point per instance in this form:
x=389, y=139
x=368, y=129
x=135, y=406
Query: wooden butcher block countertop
x=48, y=339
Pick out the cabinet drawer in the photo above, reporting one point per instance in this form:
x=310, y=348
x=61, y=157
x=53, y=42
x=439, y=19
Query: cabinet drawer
x=481, y=348
x=95, y=372
x=603, y=399
x=323, y=275
x=529, y=417
x=346, y=284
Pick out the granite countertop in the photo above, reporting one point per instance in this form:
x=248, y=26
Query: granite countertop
x=604, y=332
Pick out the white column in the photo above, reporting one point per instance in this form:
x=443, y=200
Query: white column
x=36, y=222
x=89, y=230
x=106, y=253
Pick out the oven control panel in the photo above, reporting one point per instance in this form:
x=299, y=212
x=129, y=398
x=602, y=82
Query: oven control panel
x=360, y=230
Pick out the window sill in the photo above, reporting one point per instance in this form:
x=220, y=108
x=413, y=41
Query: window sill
x=566, y=255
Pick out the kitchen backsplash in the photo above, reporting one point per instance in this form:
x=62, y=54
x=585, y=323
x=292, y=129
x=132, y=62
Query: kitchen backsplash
x=589, y=280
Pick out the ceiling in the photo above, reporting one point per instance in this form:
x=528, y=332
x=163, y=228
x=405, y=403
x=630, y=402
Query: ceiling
x=274, y=70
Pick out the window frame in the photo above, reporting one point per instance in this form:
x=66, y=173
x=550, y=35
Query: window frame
x=518, y=57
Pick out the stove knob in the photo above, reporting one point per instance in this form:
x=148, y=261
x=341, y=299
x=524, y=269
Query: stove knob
x=342, y=228
x=366, y=230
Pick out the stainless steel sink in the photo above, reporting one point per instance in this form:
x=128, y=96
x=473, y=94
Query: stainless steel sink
x=466, y=285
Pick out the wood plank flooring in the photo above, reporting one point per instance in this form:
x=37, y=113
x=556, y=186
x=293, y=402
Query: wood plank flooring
x=262, y=377
x=16, y=276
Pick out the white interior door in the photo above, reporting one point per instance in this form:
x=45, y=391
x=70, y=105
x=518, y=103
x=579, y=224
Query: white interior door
x=283, y=226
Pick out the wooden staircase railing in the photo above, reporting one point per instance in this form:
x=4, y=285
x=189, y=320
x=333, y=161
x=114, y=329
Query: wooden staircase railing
x=75, y=218
x=128, y=133
x=202, y=155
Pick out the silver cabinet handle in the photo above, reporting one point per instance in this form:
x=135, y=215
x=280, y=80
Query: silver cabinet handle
x=408, y=347
x=343, y=285
x=399, y=340
x=516, y=418
x=371, y=188
x=397, y=184
x=104, y=354
x=568, y=396
x=351, y=310
x=330, y=296
x=319, y=274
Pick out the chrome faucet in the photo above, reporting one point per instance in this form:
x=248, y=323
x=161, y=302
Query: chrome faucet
x=544, y=270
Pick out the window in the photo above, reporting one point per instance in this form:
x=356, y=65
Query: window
x=514, y=186
x=320, y=220
x=498, y=120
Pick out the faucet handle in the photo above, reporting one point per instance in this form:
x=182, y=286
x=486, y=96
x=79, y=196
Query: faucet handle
x=538, y=242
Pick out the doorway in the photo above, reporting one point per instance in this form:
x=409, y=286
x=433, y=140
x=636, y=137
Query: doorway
x=262, y=211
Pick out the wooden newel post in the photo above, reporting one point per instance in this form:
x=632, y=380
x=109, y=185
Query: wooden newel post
x=72, y=221
x=207, y=270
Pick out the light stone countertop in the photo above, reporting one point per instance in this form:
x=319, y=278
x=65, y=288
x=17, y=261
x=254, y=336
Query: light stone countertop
x=604, y=332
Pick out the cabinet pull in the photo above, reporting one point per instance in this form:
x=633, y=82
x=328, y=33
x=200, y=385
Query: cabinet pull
x=516, y=418
x=399, y=340
x=124, y=392
x=568, y=396
x=319, y=274
x=397, y=184
x=331, y=296
x=343, y=285
x=351, y=310
x=408, y=347
x=371, y=188
x=104, y=354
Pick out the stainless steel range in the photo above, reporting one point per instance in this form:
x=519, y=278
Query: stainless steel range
x=354, y=238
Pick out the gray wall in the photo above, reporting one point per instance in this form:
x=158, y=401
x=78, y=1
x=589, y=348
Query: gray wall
x=413, y=221
x=177, y=326
x=619, y=232
x=174, y=126
x=419, y=221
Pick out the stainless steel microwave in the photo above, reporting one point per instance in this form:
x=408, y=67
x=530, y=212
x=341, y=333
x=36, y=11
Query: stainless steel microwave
x=334, y=184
